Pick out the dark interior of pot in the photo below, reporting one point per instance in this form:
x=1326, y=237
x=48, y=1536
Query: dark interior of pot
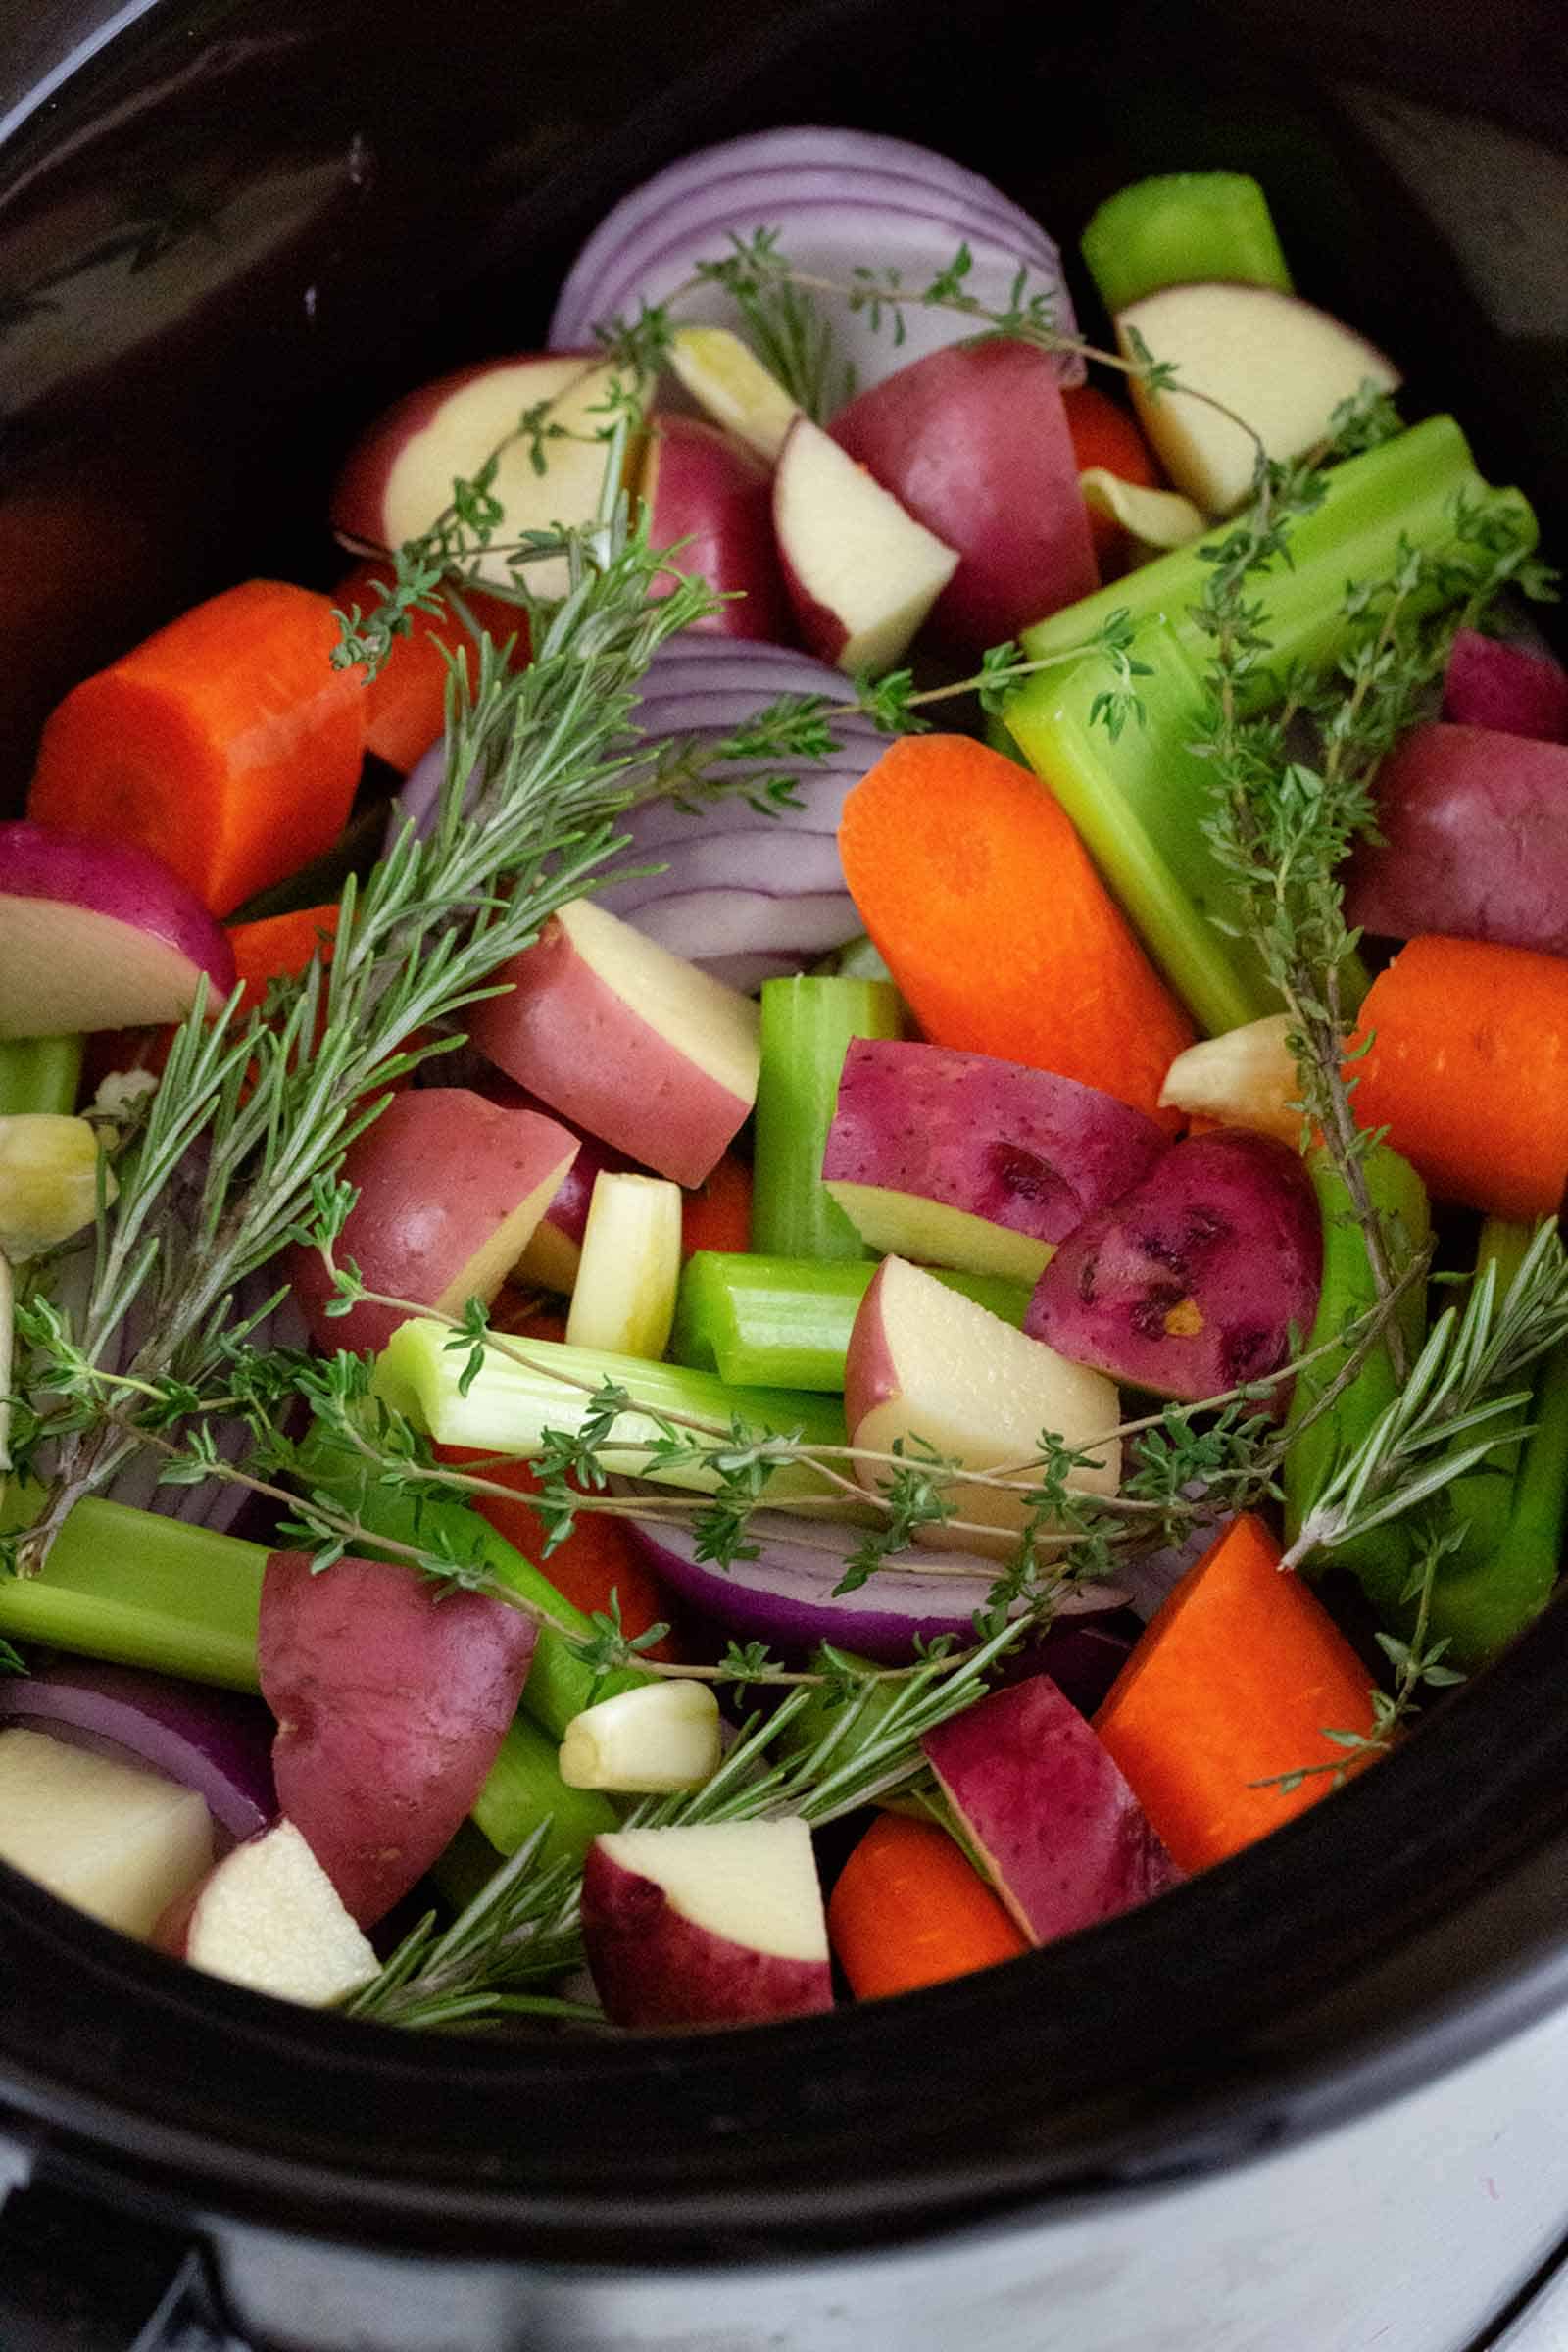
x=225, y=240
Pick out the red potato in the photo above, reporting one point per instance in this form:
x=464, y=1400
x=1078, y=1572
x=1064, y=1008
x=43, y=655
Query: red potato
x=269, y=1917
x=555, y=1247
x=449, y=1190
x=399, y=476
x=1193, y=1283
x=974, y=442
x=861, y=574
x=632, y=1042
x=1475, y=841
x=1267, y=356
x=704, y=488
x=1062, y=1836
x=720, y=1924
x=1490, y=684
x=959, y=1160
x=392, y=1698
x=99, y=935
x=925, y=1364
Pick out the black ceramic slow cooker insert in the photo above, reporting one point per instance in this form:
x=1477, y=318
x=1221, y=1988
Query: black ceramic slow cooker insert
x=316, y=209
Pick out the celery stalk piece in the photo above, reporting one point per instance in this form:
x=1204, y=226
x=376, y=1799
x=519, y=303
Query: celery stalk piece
x=39, y=1073
x=1484, y=1498
x=1178, y=227
x=139, y=1590
x=807, y=1028
x=1381, y=1558
x=1479, y=1606
x=1407, y=488
x=509, y=1407
x=558, y=1685
x=785, y=1322
x=524, y=1789
x=1139, y=804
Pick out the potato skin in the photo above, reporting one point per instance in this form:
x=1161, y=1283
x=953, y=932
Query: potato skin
x=1475, y=842
x=1191, y=1284
x=391, y=1698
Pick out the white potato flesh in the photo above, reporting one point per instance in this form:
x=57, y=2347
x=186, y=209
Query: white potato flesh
x=112, y=1838
x=751, y=1881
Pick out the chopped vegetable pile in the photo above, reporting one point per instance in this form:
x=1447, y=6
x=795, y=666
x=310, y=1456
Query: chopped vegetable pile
x=951, y=1080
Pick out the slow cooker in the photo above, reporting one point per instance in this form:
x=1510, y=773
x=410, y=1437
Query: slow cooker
x=1310, y=2103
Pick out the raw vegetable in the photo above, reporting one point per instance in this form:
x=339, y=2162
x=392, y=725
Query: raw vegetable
x=974, y=442
x=958, y=1160
x=1061, y=1834
x=956, y=907
x=1491, y=684
x=225, y=745
x=97, y=934
x=711, y=500
x=597, y=1567
x=730, y=384
x=1192, y=1282
x=279, y=947
x=1479, y=1606
x=405, y=702
x=1107, y=443
x=391, y=1699
x=1461, y=1055
x=661, y=1737
x=211, y=1741
x=807, y=1026
x=717, y=1924
x=909, y=1909
x=269, y=1917
x=861, y=573
x=39, y=1073
x=647, y=1052
x=50, y=1171
x=832, y=197
x=716, y=1214
x=1245, y=1077
x=1262, y=356
x=450, y=1188
x=624, y=1296
x=785, y=1322
x=929, y=1368
x=1178, y=226
x=1139, y=800
x=117, y=1841
x=1473, y=828
x=1382, y=1558
x=1239, y=1678
x=525, y=1795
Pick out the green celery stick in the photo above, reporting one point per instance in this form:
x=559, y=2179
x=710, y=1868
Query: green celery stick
x=806, y=1027
x=525, y=1789
x=1381, y=1558
x=1139, y=804
x=139, y=1590
x=508, y=1407
x=1484, y=1498
x=558, y=1685
x=1479, y=1606
x=1182, y=227
x=1406, y=488
x=39, y=1073
x=858, y=959
x=785, y=1322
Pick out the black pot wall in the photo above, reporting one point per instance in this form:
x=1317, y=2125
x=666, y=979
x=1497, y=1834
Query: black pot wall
x=176, y=391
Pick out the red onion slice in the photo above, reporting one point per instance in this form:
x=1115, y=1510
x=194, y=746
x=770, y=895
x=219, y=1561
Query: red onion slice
x=785, y=1595
x=701, y=925
x=721, y=862
x=840, y=199
x=214, y=1742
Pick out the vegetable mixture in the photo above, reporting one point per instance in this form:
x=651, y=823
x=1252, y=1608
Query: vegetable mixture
x=947, y=1084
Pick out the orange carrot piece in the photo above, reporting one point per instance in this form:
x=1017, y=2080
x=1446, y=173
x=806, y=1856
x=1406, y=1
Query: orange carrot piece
x=1238, y=1676
x=716, y=1214
x=279, y=947
x=227, y=743
x=910, y=1909
x=598, y=1558
x=405, y=704
x=1001, y=935
x=1468, y=1070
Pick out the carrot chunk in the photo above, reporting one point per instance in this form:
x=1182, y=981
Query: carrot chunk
x=406, y=702
x=716, y=1214
x=227, y=743
x=1238, y=1678
x=910, y=1909
x=279, y=947
x=1468, y=1072
x=1001, y=935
